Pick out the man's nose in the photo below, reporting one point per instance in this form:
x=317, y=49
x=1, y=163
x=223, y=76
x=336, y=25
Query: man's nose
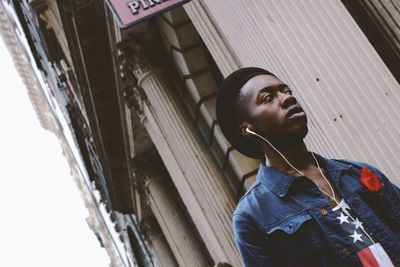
x=287, y=100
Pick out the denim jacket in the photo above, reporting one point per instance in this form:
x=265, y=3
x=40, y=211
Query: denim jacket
x=284, y=220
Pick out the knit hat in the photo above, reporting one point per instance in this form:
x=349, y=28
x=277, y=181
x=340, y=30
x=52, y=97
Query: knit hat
x=228, y=94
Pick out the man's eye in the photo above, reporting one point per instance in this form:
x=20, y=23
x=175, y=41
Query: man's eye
x=266, y=98
x=286, y=90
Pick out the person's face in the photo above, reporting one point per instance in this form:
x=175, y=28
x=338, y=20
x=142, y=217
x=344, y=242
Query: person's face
x=270, y=109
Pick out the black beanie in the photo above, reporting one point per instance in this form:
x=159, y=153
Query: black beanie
x=228, y=94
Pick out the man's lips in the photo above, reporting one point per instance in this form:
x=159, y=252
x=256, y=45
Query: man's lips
x=295, y=112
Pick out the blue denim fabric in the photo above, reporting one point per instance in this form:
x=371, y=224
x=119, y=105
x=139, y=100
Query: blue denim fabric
x=284, y=220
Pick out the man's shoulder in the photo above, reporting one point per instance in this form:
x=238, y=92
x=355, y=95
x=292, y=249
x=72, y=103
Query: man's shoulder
x=247, y=198
x=258, y=198
x=359, y=164
x=250, y=198
x=352, y=162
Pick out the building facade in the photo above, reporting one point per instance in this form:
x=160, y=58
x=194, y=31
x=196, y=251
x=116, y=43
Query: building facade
x=140, y=102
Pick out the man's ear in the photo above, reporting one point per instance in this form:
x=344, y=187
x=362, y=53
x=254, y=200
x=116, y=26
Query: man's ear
x=242, y=129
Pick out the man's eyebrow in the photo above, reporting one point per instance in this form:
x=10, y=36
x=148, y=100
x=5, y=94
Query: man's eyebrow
x=271, y=88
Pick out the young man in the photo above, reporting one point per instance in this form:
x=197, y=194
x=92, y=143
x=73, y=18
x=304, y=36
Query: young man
x=303, y=209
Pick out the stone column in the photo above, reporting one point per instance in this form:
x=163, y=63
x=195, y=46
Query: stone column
x=198, y=179
x=159, y=245
x=173, y=222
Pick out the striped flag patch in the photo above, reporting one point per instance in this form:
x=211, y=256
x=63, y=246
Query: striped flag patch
x=370, y=253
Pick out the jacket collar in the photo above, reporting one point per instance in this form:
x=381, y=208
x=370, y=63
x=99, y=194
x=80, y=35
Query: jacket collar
x=280, y=182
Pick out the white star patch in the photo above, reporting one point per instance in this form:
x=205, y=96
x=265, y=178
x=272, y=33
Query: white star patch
x=356, y=237
x=343, y=218
x=358, y=224
x=345, y=208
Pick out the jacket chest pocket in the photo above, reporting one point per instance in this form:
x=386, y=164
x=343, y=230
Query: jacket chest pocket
x=289, y=225
x=298, y=239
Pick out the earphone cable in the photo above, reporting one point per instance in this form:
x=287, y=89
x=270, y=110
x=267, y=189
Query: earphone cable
x=333, y=197
x=301, y=173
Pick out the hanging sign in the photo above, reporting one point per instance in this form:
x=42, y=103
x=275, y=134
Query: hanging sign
x=130, y=12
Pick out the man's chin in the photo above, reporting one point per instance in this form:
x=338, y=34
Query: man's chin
x=302, y=133
x=292, y=139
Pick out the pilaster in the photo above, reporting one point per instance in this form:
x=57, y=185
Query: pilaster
x=169, y=214
x=198, y=179
x=162, y=252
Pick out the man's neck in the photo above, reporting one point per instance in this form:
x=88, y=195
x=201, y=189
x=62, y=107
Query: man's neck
x=297, y=155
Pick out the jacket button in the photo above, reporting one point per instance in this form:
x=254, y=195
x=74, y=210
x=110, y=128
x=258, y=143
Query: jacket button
x=346, y=252
x=324, y=211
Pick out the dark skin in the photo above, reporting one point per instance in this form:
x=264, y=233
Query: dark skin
x=268, y=108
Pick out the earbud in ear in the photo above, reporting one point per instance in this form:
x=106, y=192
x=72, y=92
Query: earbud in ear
x=246, y=132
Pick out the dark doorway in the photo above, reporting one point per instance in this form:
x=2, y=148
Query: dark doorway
x=381, y=35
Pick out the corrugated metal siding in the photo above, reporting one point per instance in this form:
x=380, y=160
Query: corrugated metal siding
x=315, y=46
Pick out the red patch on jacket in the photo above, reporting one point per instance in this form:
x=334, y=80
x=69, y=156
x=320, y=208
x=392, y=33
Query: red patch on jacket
x=370, y=180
